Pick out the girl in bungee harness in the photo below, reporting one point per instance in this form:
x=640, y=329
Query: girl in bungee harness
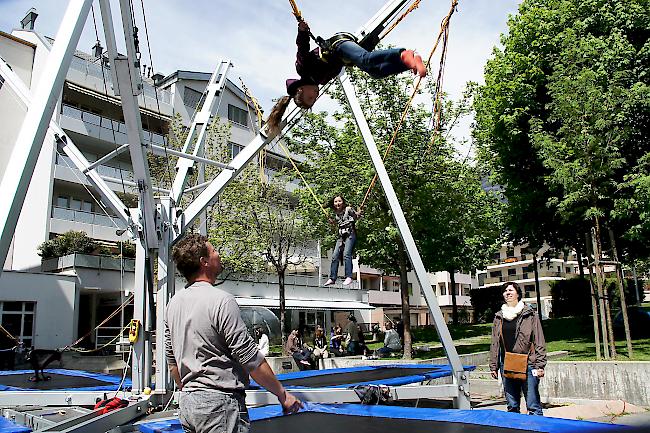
x=346, y=217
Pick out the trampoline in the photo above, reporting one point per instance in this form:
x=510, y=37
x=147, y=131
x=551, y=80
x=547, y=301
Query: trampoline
x=61, y=380
x=337, y=418
x=391, y=375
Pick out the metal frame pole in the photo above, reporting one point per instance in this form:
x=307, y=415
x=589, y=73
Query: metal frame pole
x=166, y=285
x=24, y=156
x=460, y=377
x=199, y=128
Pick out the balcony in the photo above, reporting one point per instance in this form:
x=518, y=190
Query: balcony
x=94, y=71
x=86, y=217
x=78, y=260
x=104, y=170
x=103, y=128
x=512, y=259
x=524, y=276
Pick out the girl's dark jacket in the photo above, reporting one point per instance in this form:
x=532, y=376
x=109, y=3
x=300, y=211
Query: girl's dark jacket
x=310, y=66
x=529, y=331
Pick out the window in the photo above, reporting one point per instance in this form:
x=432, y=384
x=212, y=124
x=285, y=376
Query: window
x=410, y=286
x=191, y=98
x=62, y=201
x=237, y=115
x=512, y=271
x=497, y=256
x=568, y=270
x=529, y=290
x=510, y=252
x=529, y=268
x=17, y=317
x=495, y=274
x=235, y=149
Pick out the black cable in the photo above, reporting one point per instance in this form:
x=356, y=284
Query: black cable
x=119, y=166
x=146, y=32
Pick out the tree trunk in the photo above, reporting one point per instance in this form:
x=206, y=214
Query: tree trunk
x=621, y=293
x=581, y=267
x=539, y=299
x=454, y=305
x=605, y=319
x=282, y=309
x=404, y=294
x=594, y=303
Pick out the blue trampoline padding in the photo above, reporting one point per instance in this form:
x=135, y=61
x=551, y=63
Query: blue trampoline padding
x=437, y=370
x=7, y=426
x=487, y=417
x=112, y=381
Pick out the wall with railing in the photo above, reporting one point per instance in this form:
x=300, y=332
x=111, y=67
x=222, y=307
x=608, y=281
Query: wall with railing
x=81, y=70
x=101, y=127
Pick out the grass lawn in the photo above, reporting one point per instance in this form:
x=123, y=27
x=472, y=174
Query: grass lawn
x=574, y=334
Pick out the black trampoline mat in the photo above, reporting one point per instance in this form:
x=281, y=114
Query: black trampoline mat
x=373, y=375
x=57, y=381
x=334, y=423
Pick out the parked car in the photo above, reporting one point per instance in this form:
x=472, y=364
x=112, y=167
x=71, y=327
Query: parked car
x=639, y=318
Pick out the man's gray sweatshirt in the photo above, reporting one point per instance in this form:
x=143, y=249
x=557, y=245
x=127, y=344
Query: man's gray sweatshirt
x=207, y=339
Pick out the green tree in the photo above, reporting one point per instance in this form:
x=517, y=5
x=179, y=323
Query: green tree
x=422, y=176
x=563, y=117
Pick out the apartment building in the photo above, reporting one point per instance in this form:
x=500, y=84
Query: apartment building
x=515, y=263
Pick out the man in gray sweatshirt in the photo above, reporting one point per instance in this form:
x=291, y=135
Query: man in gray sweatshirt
x=209, y=350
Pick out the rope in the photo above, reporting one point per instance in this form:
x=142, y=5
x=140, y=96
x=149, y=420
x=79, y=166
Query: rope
x=8, y=334
x=443, y=25
x=110, y=316
x=413, y=7
x=103, y=346
x=258, y=112
x=311, y=191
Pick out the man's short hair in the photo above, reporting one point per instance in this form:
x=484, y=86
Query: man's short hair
x=188, y=252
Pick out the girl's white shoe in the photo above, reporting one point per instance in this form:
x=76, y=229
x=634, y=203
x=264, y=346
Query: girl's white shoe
x=347, y=281
x=329, y=282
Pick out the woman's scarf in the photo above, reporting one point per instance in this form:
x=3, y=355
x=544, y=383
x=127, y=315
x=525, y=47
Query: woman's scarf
x=509, y=313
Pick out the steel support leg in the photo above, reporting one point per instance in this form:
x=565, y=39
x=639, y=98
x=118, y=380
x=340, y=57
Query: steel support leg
x=165, y=291
x=460, y=377
x=20, y=168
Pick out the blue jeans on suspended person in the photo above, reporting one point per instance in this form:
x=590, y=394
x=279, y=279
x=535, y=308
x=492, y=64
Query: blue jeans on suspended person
x=378, y=63
x=348, y=247
x=513, y=389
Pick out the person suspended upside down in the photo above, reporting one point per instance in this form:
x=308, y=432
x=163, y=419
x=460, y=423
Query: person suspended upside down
x=347, y=238
x=316, y=67
x=39, y=360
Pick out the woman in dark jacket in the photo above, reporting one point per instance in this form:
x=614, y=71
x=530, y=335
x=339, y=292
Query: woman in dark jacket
x=517, y=329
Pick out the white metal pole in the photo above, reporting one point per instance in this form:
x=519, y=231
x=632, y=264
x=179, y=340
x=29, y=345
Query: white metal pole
x=22, y=162
x=460, y=377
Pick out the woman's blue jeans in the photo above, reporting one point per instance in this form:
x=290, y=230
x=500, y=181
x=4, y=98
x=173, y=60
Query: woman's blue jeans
x=378, y=63
x=530, y=388
x=347, y=256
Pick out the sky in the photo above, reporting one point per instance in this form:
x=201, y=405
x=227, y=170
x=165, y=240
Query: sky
x=258, y=36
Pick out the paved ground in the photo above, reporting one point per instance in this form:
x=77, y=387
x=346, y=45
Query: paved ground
x=611, y=411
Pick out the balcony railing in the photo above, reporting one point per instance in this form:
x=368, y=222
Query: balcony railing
x=524, y=276
x=513, y=259
x=104, y=170
x=95, y=70
x=109, y=124
x=85, y=217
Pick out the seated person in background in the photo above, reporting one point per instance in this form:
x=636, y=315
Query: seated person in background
x=320, y=344
x=262, y=340
x=392, y=342
x=336, y=341
x=354, y=335
x=363, y=349
x=300, y=354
